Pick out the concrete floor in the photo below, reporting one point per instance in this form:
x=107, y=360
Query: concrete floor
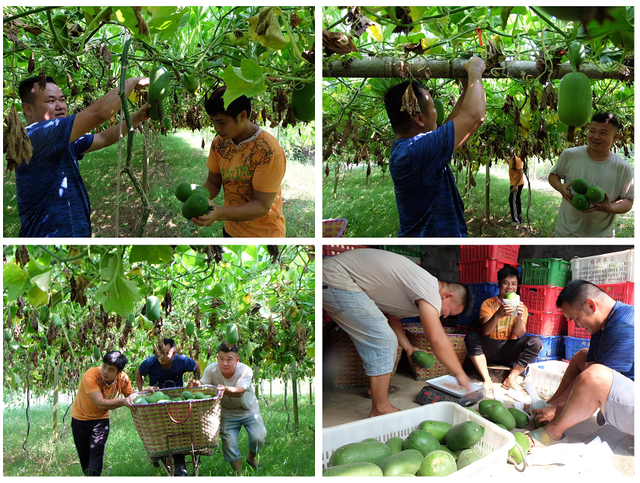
x=348, y=405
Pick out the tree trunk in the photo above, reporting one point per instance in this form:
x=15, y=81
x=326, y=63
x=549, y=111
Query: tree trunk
x=337, y=177
x=487, y=191
x=310, y=392
x=56, y=374
x=421, y=67
x=270, y=389
x=294, y=387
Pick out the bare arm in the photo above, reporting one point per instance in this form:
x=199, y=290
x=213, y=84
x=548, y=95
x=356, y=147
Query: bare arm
x=139, y=380
x=232, y=391
x=112, y=135
x=107, y=404
x=396, y=326
x=103, y=109
x=213, y=184
x=563, y=188
x=440, y=343
x=474, y=105
x=196, y=373
x=458, y=107
x=256, y=208
x=618, y=207
x=519, y=328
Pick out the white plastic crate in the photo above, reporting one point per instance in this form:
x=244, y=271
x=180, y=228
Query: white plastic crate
x=546, y=376
x=614, y=267
x=494, y=445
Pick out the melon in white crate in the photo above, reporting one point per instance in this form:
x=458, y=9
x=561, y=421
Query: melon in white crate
x=494, y=445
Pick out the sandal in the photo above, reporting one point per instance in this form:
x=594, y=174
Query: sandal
x=392, y=390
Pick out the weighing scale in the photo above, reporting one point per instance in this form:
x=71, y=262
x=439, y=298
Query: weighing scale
x=446, y=388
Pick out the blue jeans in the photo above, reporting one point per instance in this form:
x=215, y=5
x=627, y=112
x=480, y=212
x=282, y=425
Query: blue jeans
x=230, y=428
x=367, y=326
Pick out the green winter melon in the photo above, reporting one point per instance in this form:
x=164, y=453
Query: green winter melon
x=438, y=463
x=153, y=308
x=580, y=202
x=158, y=83
x=303, y=101
x=574, y=99
x=157, y=109
x=595, y=194
x=423, y=359
x=196, y=205
x=191, y=82
x=190, y=328
x=580, y=185
x=231, y=334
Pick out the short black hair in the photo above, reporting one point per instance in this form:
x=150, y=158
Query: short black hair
x=25, y=87
x=169, y=342
x=607, y=118
x=226, y=347
x=507, y=271
x=576, y=292
x=215, y=105
x=401, y=121
x=462, y=294
x=115, y=358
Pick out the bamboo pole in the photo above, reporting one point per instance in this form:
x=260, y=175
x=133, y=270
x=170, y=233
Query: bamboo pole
x=423, y=67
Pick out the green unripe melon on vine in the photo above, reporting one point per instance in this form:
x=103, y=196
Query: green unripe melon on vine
x=7, y=335
x=157, y=109
x=595, y=194
x=439, y=105
x=96, y=353
x=580, y=185
x=132, y=318
x=231, y=334
x=508, y=134
x=190, y=328
x=191, y=82
x=574, y=99
x=580, y=202
x=158, y=83
x=196, y=205
x=153, y=308
x=166, y=122
x=303, y=101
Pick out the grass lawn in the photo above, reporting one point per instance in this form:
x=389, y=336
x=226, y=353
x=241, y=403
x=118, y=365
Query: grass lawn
x=183, y=159
x=372, y=211
x=286, y=453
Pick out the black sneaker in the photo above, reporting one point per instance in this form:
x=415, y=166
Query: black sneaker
x=180, y=466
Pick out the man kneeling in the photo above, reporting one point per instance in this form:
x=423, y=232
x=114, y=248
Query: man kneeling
x=600, y=377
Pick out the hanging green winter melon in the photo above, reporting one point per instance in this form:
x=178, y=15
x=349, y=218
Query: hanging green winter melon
x=574, y=99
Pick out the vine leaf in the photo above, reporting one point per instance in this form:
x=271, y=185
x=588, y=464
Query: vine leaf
x=14, y=280
x=119, y=295
x=152, y=254
x=246, y=80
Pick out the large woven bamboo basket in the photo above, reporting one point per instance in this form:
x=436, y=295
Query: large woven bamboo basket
x=178, y=427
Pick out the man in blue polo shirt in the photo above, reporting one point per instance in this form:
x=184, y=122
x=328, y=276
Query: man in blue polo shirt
x=166, y=370
x=429, y=204
x=52, y=198
x=600, y=377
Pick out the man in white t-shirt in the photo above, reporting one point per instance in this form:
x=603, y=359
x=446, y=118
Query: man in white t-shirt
x=599, y=166
x=368, y=291
x=239, y=406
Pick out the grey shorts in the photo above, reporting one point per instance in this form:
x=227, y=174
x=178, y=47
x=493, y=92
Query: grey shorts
x=618, y=410
x=367, y=327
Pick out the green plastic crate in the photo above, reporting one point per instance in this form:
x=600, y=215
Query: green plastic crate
x=545, y=271
x=406, y=250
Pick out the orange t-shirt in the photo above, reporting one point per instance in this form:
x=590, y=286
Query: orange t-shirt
x=84, y=409
x=514, y=174
x=504, y=327
x=258, y=163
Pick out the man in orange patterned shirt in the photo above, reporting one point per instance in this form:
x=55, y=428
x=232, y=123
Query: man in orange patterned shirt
x=99, y=392
x=501, y=339
x=250, y=164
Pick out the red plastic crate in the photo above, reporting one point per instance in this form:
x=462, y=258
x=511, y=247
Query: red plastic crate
x=475, y=253
x=546, y=323
x=482, y=271
x=578, y=332
x=540, y=297
x=331, y=250
x=620, y=292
